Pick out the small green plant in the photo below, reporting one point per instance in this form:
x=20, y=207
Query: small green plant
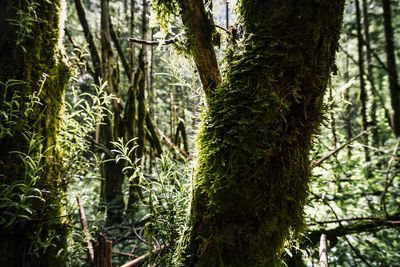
x=164, y=197
x=16, y=198
x=27, y=18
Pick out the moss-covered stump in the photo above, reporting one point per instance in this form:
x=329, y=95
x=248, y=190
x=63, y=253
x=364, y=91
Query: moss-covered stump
x=253, y=166
x=30, y=53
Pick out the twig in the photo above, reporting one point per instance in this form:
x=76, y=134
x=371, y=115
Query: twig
x=138, y=261
x=147, y=42
x=318, y=162
x=125, y=254
x=346, y=220
x=222, y=28
x=85, y=229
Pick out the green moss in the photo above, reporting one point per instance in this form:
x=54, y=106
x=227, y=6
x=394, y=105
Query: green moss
x=253, y=166
x=42, y=240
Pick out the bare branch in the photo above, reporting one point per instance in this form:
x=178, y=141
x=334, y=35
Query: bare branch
x=138, y=261
x=318, y=162
x=85, y=229
x=147, y=42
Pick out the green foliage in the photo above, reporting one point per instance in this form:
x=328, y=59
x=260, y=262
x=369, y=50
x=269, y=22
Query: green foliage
x=164, y=199
x=83, y=112
x=27, y=18
x=17, y=198
x=164, y=12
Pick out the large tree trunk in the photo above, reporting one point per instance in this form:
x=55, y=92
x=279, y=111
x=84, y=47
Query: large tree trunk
x=33, y=57
x=253, y=167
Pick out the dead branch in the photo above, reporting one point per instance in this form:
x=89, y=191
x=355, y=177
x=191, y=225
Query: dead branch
x=125, y=254
x=85, y=229
x=346, y=220
x=318, y=162
x=147, y=42
x=138, y=261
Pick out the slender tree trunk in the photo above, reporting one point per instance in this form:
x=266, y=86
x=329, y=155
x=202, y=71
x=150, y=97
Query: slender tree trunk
x=152, y=98
x=363, y=93
x=143, y=81
x=172, y=112
x=109, y=131
x=130, y=109
x=227, y=14
x=333, y=122
x=181, y=135
x=375, y=135
x=90, y=40
x=34, y=59
x=141, y=89
x=152, y=89
x=349, y=132
x=391, y=65
x=253, y=167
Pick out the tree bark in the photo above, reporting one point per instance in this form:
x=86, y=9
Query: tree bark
x=391, y=65
x=35, y=59
x=253, y=167
x=103, y=252
x=194, y=16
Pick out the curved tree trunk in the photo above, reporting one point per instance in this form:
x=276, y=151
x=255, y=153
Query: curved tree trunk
x=33, y=57
x=253, y=167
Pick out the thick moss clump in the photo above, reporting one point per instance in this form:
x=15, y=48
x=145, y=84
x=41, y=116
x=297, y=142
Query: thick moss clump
x=253, y=166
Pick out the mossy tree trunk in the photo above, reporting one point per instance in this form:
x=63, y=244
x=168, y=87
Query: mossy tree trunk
x=112, y=127
x=30, y=33
x=253, y=166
